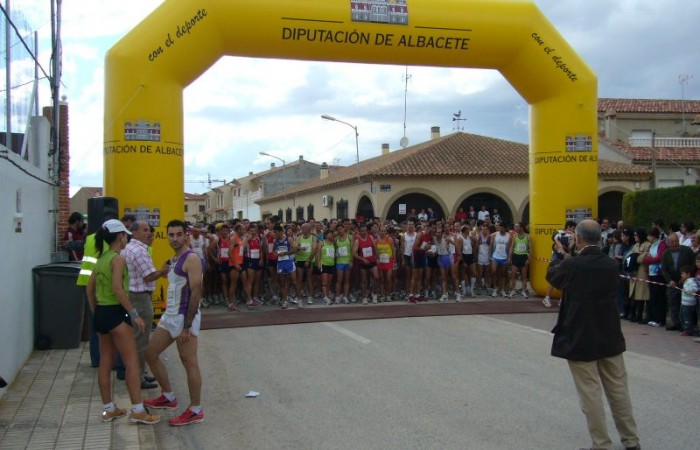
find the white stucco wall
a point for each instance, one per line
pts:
(21, 252)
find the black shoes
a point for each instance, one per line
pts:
(148, 385)
(673, 328)
(149, 378)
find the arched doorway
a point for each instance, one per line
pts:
(610, 205)
(414, 201)
(491, 202)
(365, 210)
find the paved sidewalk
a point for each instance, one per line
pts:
(54, 403)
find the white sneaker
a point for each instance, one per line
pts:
(365, 300)
(511, 294)
(293, 300)
(472, 293)
(443, 298)
(494, 294)
(327, 300)
(524, 293)
(374, 298)
(309, 300)
(546, 302)
(458, 297)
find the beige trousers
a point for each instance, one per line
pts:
(143, 303)
(607, 374)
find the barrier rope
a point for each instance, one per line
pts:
(628, 277)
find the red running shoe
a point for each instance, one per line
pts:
(186, 418)
(161, 402)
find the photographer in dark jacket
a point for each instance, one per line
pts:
(589, 336)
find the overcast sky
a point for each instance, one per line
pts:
(240, 106)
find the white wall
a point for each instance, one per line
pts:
(20, 253)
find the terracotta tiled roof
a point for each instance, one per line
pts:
(457, 154)
(678, 154)
(630, 105)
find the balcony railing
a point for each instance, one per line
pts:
(677, 142)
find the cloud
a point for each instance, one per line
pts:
(242, 106)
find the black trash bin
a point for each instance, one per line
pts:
(59, 306)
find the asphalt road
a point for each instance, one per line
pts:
(454, 382)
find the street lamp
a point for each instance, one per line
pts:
(357, 143)
(284, 166)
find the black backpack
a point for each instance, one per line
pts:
(630, 264)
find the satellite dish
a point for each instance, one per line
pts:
(403, 142)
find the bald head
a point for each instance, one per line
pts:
(588, 231)
(673, 241)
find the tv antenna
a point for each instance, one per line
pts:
(208, 181)
(457, 117)
(683, 80)
(404, 140)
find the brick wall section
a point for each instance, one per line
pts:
(64, 167)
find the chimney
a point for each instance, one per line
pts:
(250, 173)
(611, 125)
(272, 165)
(324, 171)
(301, 158)
(434, 133)
(385, 149)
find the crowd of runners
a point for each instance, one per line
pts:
(343, 261)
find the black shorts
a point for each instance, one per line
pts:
(330, 270)
(369, 266)
(303, 264)
(419, 261)
(108, 317)
(223, 267)
(407, 261)
(519, 260)
(468, 259)
(272, 263)
(252, 264)
(432, 262)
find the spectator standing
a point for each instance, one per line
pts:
(142, 283)
(657, 289)
(689, 301)
(74, 237)
(639, 286)
(675, 257)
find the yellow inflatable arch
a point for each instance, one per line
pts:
(147, 71)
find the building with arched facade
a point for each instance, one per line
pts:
(441, 174)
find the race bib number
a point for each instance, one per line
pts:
(384, 259)
(500, 247)
(330, 252)
(366, 252)
(483, 250)
(342, 251)
(240, 250)
(282, 249)
(305, 247)
(224, 252)
(521, 247)
(433, 249)
(254, 253)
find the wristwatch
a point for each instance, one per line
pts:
(187, 326)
